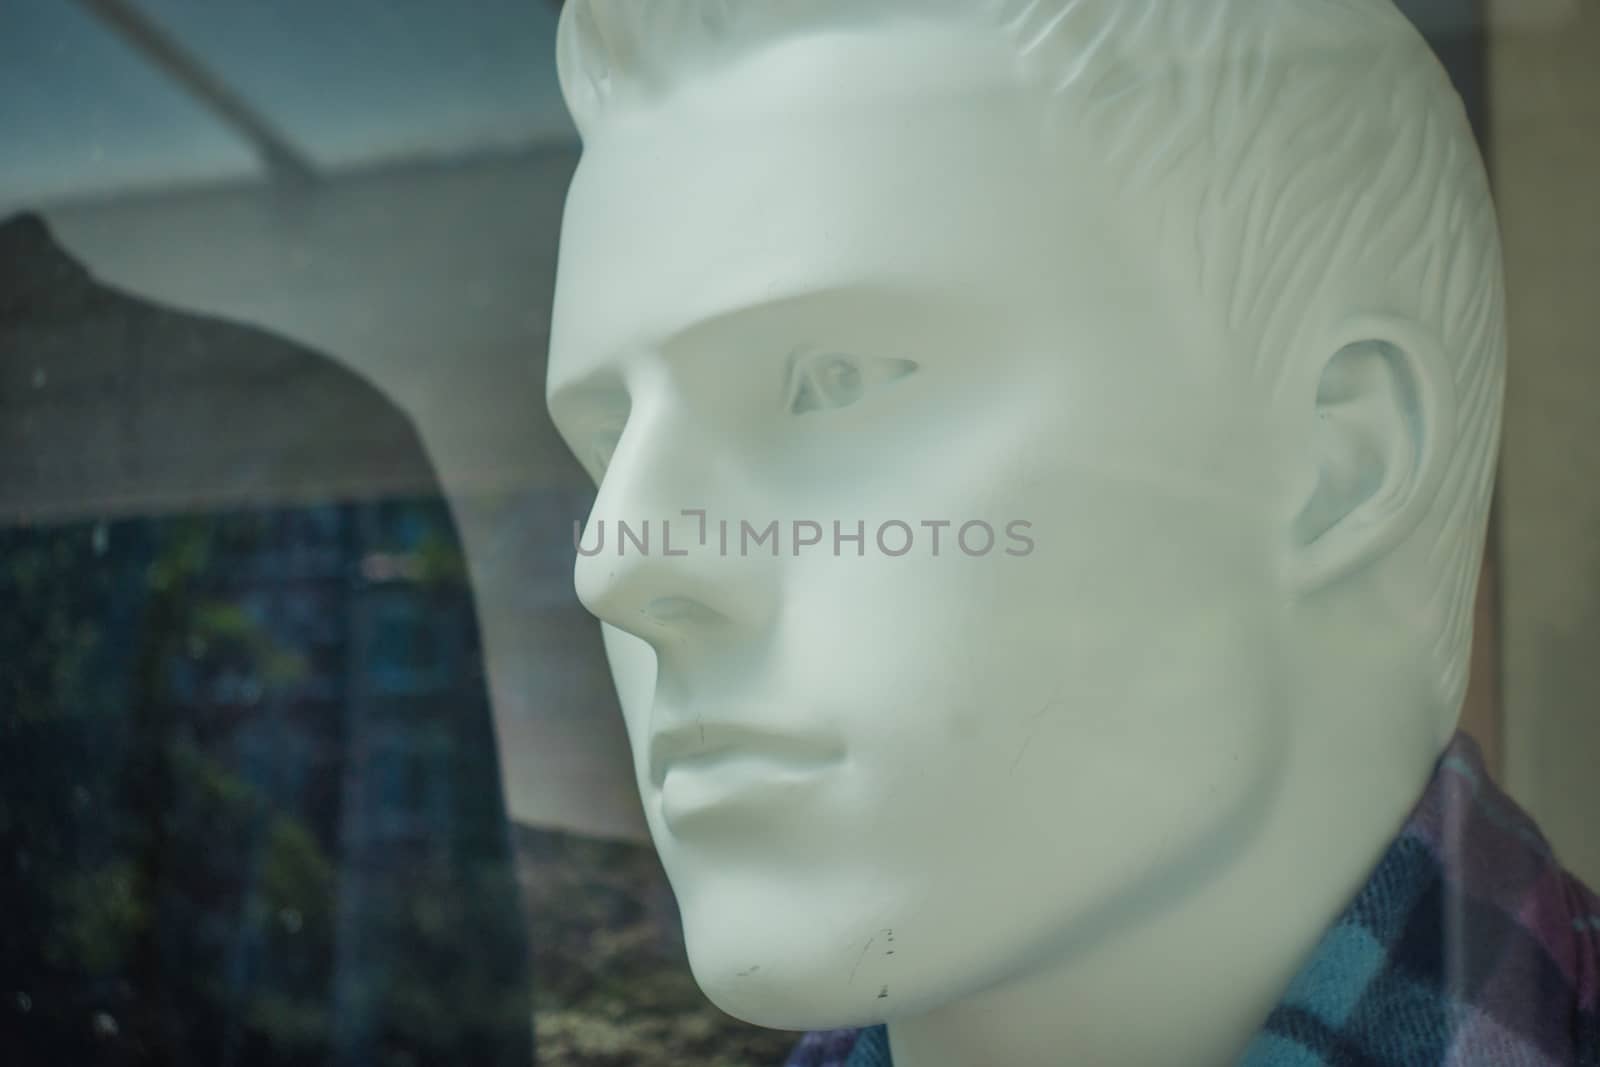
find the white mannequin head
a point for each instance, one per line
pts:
(1195, 303)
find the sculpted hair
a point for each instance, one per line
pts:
(1306, 160)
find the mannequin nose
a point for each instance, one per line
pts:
(651, 598)
(643, 564)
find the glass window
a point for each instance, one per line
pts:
(309, 752)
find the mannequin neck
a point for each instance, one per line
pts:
(1192, 983)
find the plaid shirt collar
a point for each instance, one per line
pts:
(1468, 947)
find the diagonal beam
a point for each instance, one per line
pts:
(283, 160)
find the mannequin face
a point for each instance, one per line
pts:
(883, 782)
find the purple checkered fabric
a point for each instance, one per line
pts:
(1468, 947)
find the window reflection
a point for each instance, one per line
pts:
(210, 856)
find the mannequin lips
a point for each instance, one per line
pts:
(700, 747)
(719, 769)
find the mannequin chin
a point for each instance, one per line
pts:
(898, 763)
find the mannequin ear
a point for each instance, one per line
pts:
(1383, 430)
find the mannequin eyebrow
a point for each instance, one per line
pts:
(603, 373)
(803, 315)
(706, 330)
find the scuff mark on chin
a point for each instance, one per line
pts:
(864, 950)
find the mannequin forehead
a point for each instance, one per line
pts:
(890, 59)
(755, 185)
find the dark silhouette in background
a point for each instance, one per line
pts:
(250, 808)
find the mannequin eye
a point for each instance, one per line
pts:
(819, 381)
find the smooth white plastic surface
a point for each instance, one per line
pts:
(1153, 348)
